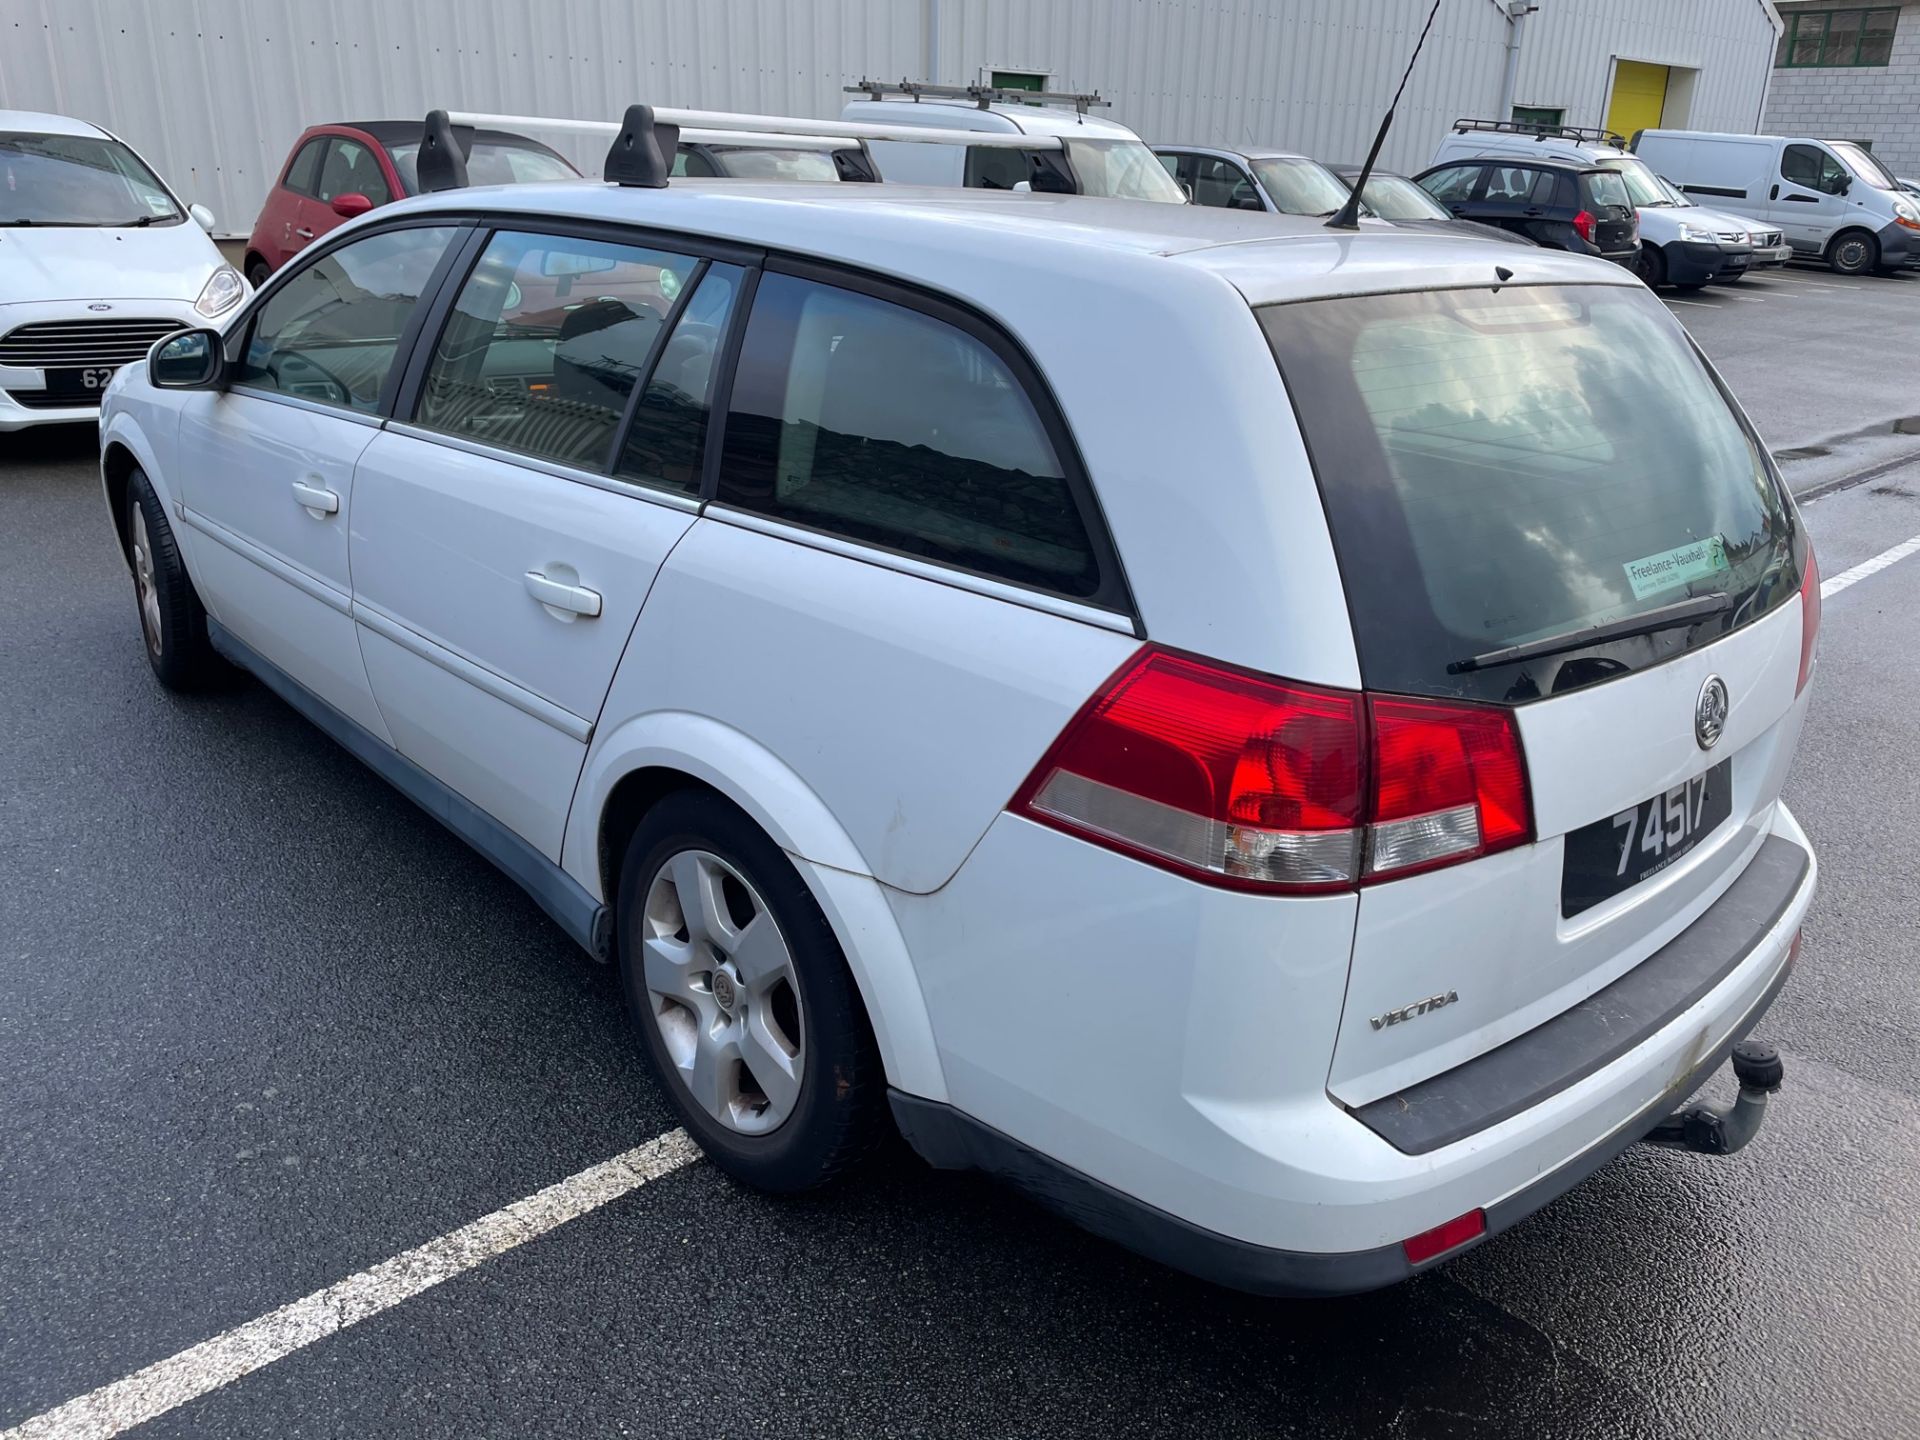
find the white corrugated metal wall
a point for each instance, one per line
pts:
(214, 91)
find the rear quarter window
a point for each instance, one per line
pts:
(1500, 467)
(874, 421)
(1604, 187)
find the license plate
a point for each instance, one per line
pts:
(1738, 262)
(1617, 853)
(80, 386)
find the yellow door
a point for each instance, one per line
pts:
(1639, 95)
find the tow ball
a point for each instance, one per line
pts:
(1723, 1129)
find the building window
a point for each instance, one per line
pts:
(1540, 117)
(1829, 38)
(1022, 80)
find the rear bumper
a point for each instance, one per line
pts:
(1290, 1193)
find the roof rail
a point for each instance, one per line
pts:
(981, 95)
(1585, 134)
(730, 127)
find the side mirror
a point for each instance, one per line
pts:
(1247, 202)
(202, 216)
(191, 360)
(1846, 184)
(351, 205)
(1187, 190)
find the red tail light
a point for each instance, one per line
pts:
(1583, 225)
(1809, 618)
(1258, 783)
(1449, 783)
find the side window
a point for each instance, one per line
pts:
(1545, 187)
(693, 164)
(872, 421)
(667, 440)
(1509, 184)
(995, 167)
(1223, 184)
(351, 169)
(303, 175)
(1170, 164)
(546, 342)
(1452, 186)
(330, 333)
(1801, 165)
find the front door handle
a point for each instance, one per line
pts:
(304, 233)
(559, 595)
(316, 500)
(1774, 193)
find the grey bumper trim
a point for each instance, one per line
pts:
(1574, 1044)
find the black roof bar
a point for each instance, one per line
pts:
(442, 164)
(1586, 134)
(642, 153)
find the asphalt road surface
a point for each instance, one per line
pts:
(264, 1025)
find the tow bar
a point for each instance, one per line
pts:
(1723, 1129)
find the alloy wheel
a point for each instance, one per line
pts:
(143, 586)
(722, 992)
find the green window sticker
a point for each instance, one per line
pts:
(1651, 574)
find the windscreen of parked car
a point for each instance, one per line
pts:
(1501, 467)
(1393, 198)
(491, 163)
(1123, 168)
(78, 180)
(1300, 187)
(1862, 163)
(1643, 186)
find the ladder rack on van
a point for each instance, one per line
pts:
(1586, 135)
(646, 139)
(981, 95)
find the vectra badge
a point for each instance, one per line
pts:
(1409, 1012)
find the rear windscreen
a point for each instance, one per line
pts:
(1503, 467)
(1605, 187)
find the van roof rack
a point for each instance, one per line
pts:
(981, 95)
(1587, 135)
(649, 133)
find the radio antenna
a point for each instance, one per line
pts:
(1348, 216)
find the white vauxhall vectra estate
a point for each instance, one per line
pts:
(1268, 738)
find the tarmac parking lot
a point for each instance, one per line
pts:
(265, 1027)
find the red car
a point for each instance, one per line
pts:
(336, 172)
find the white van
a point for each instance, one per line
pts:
(1830, 198)
(1106, 158)
(1677, 247)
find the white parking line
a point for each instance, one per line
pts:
(1855, 575)
(205, 1367)
(1701, 303)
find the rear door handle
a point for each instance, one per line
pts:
(1536, 212)
(558, 595)
(315, 499)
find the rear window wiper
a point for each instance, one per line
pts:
(1664, 617)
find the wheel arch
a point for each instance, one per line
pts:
(124, 449)
(1833, 240)
(650, 757)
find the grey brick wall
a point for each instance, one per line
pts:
(1857, 103)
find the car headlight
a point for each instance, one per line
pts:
(1907, 214)
(224, 289)
(1694, 232)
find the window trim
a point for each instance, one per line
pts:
(1112, 593)
(1790, 38)
(286, 174)
(240, 335)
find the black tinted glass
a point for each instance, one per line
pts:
(667, 440)
(882, 424)
(1501, 467)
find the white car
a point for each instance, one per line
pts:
(98, 259)
(1297, 846)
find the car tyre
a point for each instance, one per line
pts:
(1652, 267)
(1854, 252)
(257, 272)
(173, 622)
(745, 1005)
